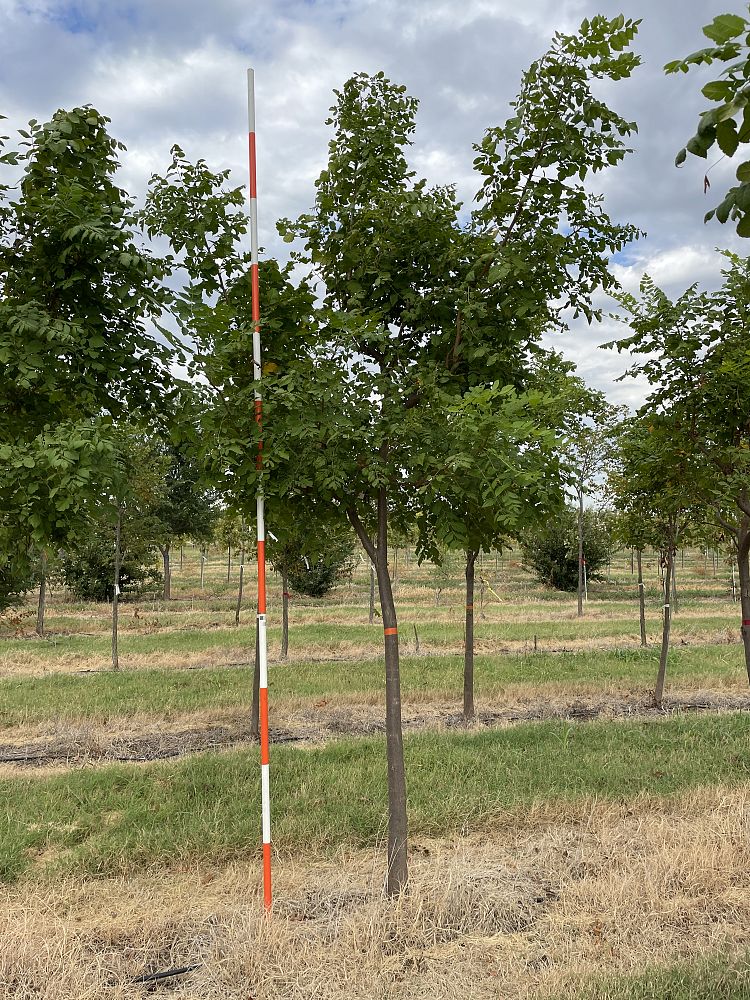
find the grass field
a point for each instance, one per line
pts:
(574, 842)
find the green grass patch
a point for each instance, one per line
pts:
(166, 692)
(718, 977)
(337, 637)
(121, 818)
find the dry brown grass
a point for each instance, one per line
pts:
(32, 663)
(35, 662)
(553, 895)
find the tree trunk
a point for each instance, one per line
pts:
(667, 624)
(229, 563)
(203, 560)
(284, 614)
(255, 709)
(42, 594)
(743, 573)
(641, 597)
(116, 593)
(239, 589)
(167, 572)
(398, 872)
(632, 570)
(180, 558)
(580, 553)
(674, 608)
(471, 556)
(372, 594)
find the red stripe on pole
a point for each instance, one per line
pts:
(746, 622)
(267, 876)
(390, 631)
(261, 577)
(253, 182)
(263, 703)
(263, 700)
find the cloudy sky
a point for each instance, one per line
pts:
(169, 71)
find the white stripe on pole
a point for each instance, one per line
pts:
(266, 794)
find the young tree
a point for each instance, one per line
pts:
(416, 303)
(697, 364)
(654, 467)
(586, 448)
(121, 524)
(76, 290)
(228, 532)
(310, 557)
(633, 529)
(186, 507)
(413, 303)
(499, 473)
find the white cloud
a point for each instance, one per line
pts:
(673, 270)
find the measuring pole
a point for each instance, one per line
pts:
(262, 640)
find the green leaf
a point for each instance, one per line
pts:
(742, 197)
(681, 157)
(725, 27)
(718, 90)
(697, 147)
(743, 226)
(723, 210)
(743, 172)
(727, 137)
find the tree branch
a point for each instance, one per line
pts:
(361, 533)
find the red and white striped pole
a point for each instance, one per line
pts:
(262, 641)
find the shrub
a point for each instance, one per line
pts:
(552, 548)
(89, 569)
(313, 567)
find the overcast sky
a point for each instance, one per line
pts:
(169, 71)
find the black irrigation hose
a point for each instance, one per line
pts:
(152, 977)
(24, 758)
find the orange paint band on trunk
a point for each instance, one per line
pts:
(390, 631)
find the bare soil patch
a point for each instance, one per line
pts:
(552, 895)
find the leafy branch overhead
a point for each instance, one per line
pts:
(727, 124)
